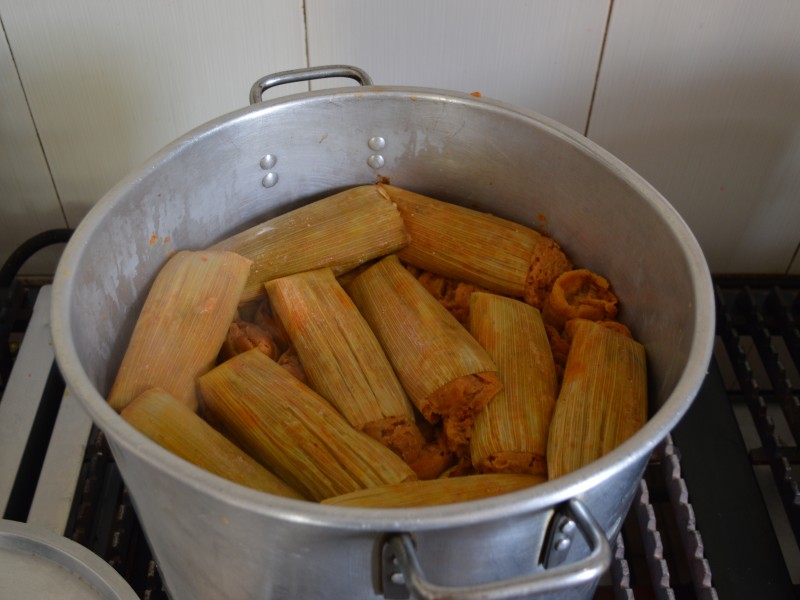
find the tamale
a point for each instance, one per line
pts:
(510, 434)
(433, 460)
(476, 247)
(173, 425)
(548, 262)
(559, 347)
(443, 369)
(579, 293)
(341, 231)
(437, 491)
(343, 360)
(293, 431)
(453, 295)
(243, 336)
(265, 318)
(290, 361)
(182, 325)
(603, 397)
(461, 468)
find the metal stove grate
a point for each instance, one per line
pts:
(103, 519)
(751, 510)
(707, 476)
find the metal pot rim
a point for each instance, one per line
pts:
(541, 497)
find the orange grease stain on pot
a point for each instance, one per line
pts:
(154, 239)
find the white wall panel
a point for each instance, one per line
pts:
(541, 55)
(703, 99)
(28, 201)
(110, 82)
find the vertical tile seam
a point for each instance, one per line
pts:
(33, 122)
(599, 67)
(795, 257)
(304, 8)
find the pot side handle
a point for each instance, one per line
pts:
(548, 581)
(308, 74)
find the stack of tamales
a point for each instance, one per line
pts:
(379, 348)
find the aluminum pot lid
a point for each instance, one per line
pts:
(36, 563)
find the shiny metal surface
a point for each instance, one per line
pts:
(213, 538)
(295, 75)
(540, 584)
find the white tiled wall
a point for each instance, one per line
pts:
(541, 55)
(28, 200)
(702, 98)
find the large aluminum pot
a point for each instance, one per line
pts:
(215, 539)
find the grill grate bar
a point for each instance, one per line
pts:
(742, 312)
(621, 572)
(105, 521)
(768, 353)
(787, 324)
(651, 536)
(687, 526)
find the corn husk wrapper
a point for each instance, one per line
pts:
(343, 360)
(445, 372)
(603, 397)
(464, 244)
(510, 434)
(437, 491)
(293, 431)
(174, 426)
(182, 326)
(341, 232)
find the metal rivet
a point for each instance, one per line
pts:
(270, 179)
(397, 578)
(563, 544)
(376, 161)
(268, 161)
(376, 143)
(567, 527)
